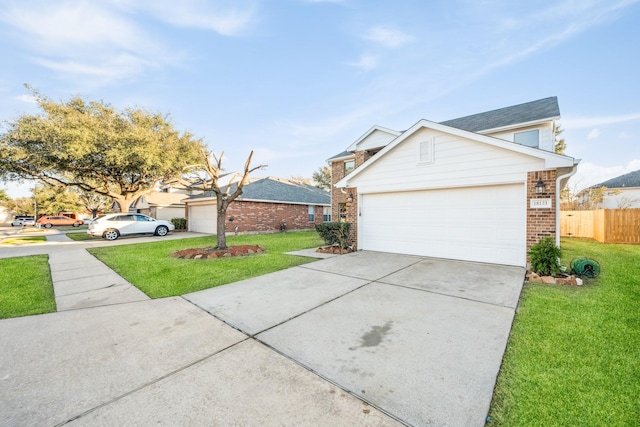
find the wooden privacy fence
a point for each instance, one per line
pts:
(603, 225)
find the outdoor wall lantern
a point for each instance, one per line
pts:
(350, 198)
(540, 187)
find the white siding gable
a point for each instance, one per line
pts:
(375, 137)
(456, 162)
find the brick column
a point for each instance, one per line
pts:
(541, 222)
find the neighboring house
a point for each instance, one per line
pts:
(624, 191)
(479, 188)
(264, 204)
(160, 205)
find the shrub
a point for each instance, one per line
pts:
(179, 223)
(545, 257)
(334, 233)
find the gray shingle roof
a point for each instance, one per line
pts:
(280, 190)
(631, 179)
(546, 108)
(541, 109)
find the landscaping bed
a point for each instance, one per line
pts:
(212, 252)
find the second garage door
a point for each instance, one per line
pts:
(483, 224)
(202, 218)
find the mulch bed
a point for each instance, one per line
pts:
(212, 252)
(333, 250)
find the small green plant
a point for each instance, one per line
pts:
(545, 257)
(334, 233)
(179, 223)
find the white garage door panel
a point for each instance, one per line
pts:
(202, 219)
(484, 224)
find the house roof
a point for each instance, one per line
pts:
(529, 112)
(631, 179)
(272, 189)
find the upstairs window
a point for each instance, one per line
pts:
(349, 165)
(530, 138)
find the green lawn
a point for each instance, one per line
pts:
(149, 266)
(82, 236)
(25, 287)
(573, 357)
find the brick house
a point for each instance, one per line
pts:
(482, 188)
(264, 205)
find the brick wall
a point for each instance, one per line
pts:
(337, 196)
(541, 222)
(266, 217)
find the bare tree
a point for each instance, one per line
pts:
(205, 176)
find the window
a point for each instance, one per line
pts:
(342, 212)
(349, 165)
(326, 214)
(312, 213)
(530, 138)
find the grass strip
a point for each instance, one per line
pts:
(573, 357)
(150, 267)
(25, 287)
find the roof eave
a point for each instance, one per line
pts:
(518, 125)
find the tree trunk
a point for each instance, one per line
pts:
(221, 223)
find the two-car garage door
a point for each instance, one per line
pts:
(484, 224)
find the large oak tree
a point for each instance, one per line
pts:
(94, 147)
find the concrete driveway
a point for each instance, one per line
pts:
(420, 339)
(360, 339)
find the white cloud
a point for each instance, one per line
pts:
(585, 122)
(594, 134)
(388, 37)
(104, 42)
(29, 99)
(227, 21)
(366, 62)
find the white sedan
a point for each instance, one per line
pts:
(112, 226)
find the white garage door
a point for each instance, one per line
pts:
(202, 218)
(484, 224)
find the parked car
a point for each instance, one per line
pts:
(50, 221)
(28, 222)
(20, 220)
(112, 226)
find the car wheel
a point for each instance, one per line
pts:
(111, 234)
(162, 230)
(47, 225)
(76, 224)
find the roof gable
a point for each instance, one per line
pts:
(516, 115)
(375, 137)
(551, 160)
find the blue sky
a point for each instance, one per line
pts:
(300, 80)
